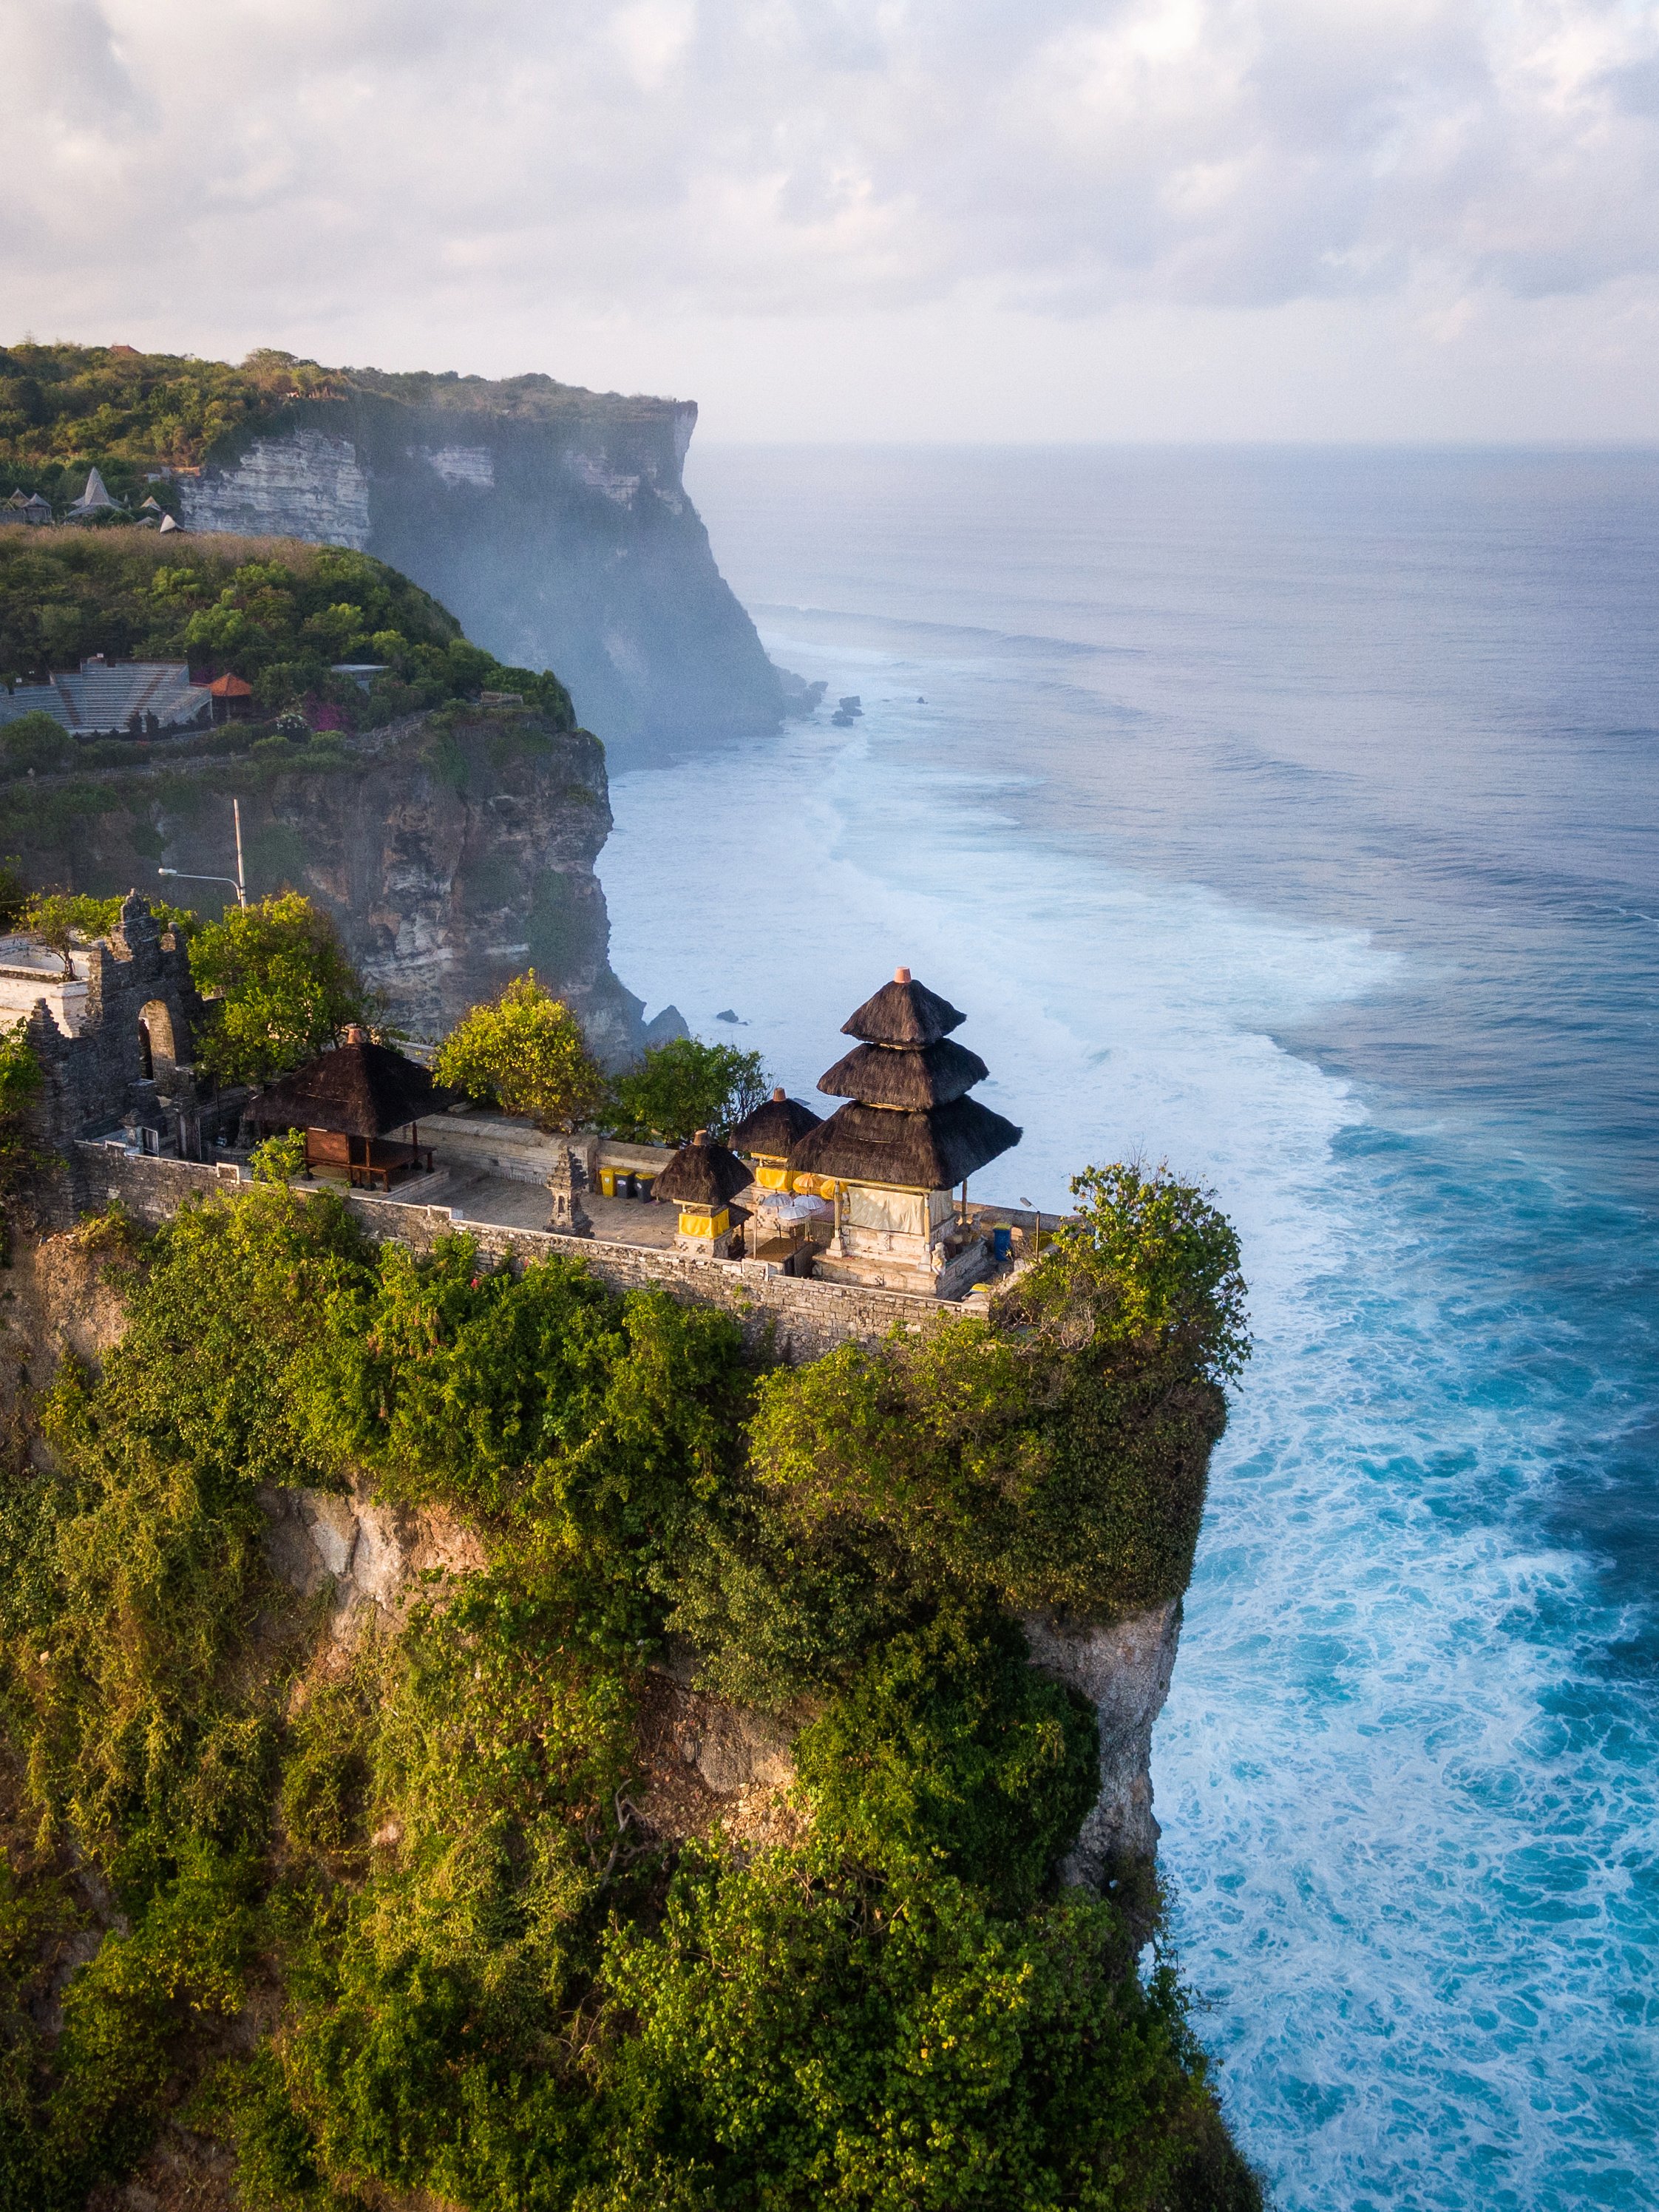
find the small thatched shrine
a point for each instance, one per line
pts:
(770, 1133)
(346, 1101)
(909, 1135)
(784, 1218)
(702, 1179)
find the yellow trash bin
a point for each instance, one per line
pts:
(608, 1182)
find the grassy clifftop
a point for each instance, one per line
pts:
(66, 408)
(420, 1913)
(276, 611)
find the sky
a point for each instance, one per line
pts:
(984, 221)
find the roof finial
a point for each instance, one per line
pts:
(900, 974)
(779, 1095)
(700, 1136)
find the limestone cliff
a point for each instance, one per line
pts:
(552, 521)
(451, 863)
(454, 853)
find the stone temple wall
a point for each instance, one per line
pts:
(138, 983)
(801, 1319)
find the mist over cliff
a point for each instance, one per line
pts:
(551, 520)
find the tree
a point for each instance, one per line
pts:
(686, 1086)
(282, 985)
(63, 920)
(36, 741)
(1165, 1259)
(526, 1054)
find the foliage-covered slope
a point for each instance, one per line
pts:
(278, 613)
(391, 1919)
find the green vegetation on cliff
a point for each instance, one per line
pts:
(384, 1914)
(277, 612)
(64, 409)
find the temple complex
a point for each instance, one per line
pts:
(874, 1200)
(893, 1157)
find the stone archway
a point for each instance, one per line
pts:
(157, 1045)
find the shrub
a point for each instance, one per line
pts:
(947, 1750)
(279, 616)
(685, 1085)
(279, 1158)
(432, 1875)
(526, 1054)
(811, 2041)
(1157, 1263)
(183, 1966)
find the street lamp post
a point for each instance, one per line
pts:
(237, 881)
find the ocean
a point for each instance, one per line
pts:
(1293, 817)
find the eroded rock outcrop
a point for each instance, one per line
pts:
(1124, 1670)
(370, 1557)
(453, 859)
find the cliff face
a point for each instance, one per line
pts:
(451, 858)
(451, 864)
(552, 522)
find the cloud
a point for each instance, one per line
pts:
(319, 165)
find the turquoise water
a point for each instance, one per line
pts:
(1294, 816)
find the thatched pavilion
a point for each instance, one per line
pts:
(783, 1217)
(347, 1101)
(702, 1179)
(909, 1135)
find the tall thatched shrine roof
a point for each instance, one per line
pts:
(909, 1120)
(360, 1089)
(775, 1127)
(903, 1013)
(702, 1174)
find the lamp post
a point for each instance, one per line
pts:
(237, 881)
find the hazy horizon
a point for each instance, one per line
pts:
(1130, 220)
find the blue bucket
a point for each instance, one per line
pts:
(1002, 1243)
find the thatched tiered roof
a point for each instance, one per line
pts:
(702, 1174)
(924, 1152)
(773, 1130)
(909, 1120)
(903, 1013)
(889, 1075)
(359, 1089)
